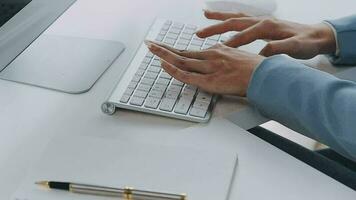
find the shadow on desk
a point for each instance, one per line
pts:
(327, 161)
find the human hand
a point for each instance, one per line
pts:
(296, 40)
(219, 70)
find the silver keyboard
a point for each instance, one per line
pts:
(154, 91)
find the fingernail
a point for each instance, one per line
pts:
(198, 32)
(148, 43)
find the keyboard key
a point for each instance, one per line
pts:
(197, 41)
(183, 41)
(154, 69)
(183, 105)
(175, 88)
(156, 62)
(172, 36)
(143, 66)
(140, 72)
(163, 81)
(204, 97)
(199, 109)
(206, 46)
(214, 37)
(125, 98)
(144, 87)
(192, 27)
(181, 47)
(178, 25)
(211, 42)
(194, 48)
(159, 87)
(201, 105)
(187, 95)
(169, 41)
(170, 94)
(156, 94)
(147, 81)
(129, 91)
(186, 36)
(151, 75)
(146, 60)
(197, 112)
(137, 101)
(163, 32)
(136, 78)
(165, 75)
(189, 31)
(176, 82)
(190, 87)
(159, 38)
(167, 104)
(140, 93)
(175, 30)
(152, 102)
(132, 85)
(149, 55)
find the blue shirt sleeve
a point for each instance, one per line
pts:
(345, 32)
(308, 101)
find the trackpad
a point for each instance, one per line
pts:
(67, 64)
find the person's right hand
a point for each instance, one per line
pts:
(284, 37)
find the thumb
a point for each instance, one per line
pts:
(279, 47)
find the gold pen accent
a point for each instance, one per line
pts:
(43, 183)
(128, 193)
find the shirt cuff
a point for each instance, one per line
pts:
(337, 52)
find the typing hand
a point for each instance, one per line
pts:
(297, 40)
(219, 70)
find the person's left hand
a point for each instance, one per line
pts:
(219, 70)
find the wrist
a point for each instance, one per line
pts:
(253, 68)
(326, 38)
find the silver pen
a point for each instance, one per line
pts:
(126, 193)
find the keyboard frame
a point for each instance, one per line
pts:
(130, 72)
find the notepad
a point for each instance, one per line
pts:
(203, 174)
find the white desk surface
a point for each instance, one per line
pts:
(30, 116)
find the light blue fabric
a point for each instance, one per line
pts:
(346, 38)
(308, 101)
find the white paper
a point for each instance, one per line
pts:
(203, 174)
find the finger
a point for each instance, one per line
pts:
(202, 55)
(222, 15)
(190, 78)
(261, 30)
(279, 47)
(184, 63)
(235, 24)
(266, 29)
